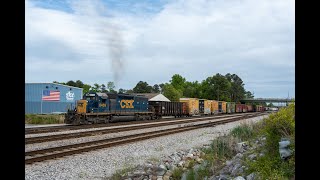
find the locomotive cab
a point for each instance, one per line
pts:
(81, 106)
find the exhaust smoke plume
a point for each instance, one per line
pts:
(96, 13)
(116, 50)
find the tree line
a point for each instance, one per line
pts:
(228, 87)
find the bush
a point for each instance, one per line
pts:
(277, 126)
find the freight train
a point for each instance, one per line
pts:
(98, 107)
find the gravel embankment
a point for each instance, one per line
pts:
(103, 163)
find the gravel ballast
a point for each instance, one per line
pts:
(112, 127)
(103, 163)
(51, 144)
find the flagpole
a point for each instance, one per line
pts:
(41, 100)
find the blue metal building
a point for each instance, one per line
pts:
(43, 98)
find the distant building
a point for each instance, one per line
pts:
(43, 98)
(154, 96)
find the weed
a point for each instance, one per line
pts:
(44, 119)
(243, 132)
(177, 173)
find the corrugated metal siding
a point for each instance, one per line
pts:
(33, 96)
(193, 104)
(207, 107)
(47, 107)
(231, 107)
(224, 107)
(214, 107)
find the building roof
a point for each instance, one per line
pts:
(56, 84)
(148, 95)
(153, 96)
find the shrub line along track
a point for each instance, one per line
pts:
(38, 130)
(52, 153)
(48, 138)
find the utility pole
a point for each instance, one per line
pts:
(41, 100)
(218, 93)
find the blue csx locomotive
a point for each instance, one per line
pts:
(101, 107)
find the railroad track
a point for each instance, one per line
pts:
(39, 130)
(57, 152)
(39, 139)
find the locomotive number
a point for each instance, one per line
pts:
(102, 105)
(126, 103)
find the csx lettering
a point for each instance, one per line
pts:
(126, 103)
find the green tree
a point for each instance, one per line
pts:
(237, 90)
(171, 93)
(249, 95)
(161, 87)
(79, 84)
(129, 91)
(192, 89)
(59, 82)
(111, 87)
(178, 82)
(216, 87)
(156, 88)
(71, 83)
(142, 87)
(96, 87)
(86, 88)
(122, 91)
(103, 88)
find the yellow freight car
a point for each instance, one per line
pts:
(224, 106)
(207, 107)
(193, 105)
(214, 107)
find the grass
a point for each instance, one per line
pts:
(203, 172)
(177, 173)
(242, 132)
(44, 119)
(221, 147)
(121, 173)
(191, 175)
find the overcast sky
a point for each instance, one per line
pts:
(126, 41)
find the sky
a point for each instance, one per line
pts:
(127, 41)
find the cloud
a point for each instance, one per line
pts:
(197, 39)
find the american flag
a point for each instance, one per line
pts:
(48, 95)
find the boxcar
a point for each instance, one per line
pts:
(239, 108)
(258, 108)
(250, 108)
(207, 107)
(204, 106)
(244, 108)
(192, 104)
(231, 107)
(223, 107)
(201, 106)
(214, 107)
